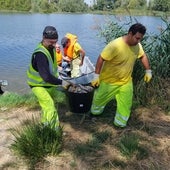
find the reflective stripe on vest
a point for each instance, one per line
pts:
(34, 78)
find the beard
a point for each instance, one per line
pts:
(50, 47)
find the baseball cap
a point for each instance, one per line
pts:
(50, 32)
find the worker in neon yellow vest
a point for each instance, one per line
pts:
(42, 76)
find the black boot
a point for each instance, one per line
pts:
(1, 91)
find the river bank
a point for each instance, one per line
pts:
(150, 123)
(119, 11)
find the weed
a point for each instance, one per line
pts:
(92, 145)
(35, 141)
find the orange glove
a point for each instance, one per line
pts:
(148, 76)
(95, 82)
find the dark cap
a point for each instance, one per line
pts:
(64, 41)
(50, 32)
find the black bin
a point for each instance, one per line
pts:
(80, 102)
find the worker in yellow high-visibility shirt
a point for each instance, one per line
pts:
(113, 73)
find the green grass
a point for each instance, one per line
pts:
(34, 141)
(93, 145)
(129, 146)
(11, 100)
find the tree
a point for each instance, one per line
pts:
(136, 4)
(133, 4)
(104, 4)
(161, 5)
(72, 6)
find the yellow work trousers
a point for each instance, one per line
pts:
(49, 113)
(123, 95)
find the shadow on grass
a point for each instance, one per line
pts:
(93, 151)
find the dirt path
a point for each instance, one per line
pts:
(14, 118)
(8, 120)
(75, 132)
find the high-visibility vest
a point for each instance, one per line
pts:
(70, 50)
(33, 77)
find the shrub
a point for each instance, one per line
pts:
(34, 141)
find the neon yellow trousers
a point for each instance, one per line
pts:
(123, 95)
(49, 113)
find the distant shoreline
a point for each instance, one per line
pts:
(115, 12)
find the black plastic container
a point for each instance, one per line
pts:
(80, 102)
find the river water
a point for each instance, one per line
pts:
(20, 33)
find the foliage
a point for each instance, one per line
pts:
(162, 5)
(15, 5)
(111, 31)
(72, 6)
(10, 100)
(136, 4)
(156, 5)
(160, 58)
(160, 64)
(110, 4)
(100, 4)
(93, 145)
(49, 6)
(129, 146)
(44, 6)
(34, 141)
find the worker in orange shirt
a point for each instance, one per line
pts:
(59, 56)
(73, 54)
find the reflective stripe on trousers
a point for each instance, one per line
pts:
(123, 95)
(49, 112)
(120, 120)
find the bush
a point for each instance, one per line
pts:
(34, 141)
